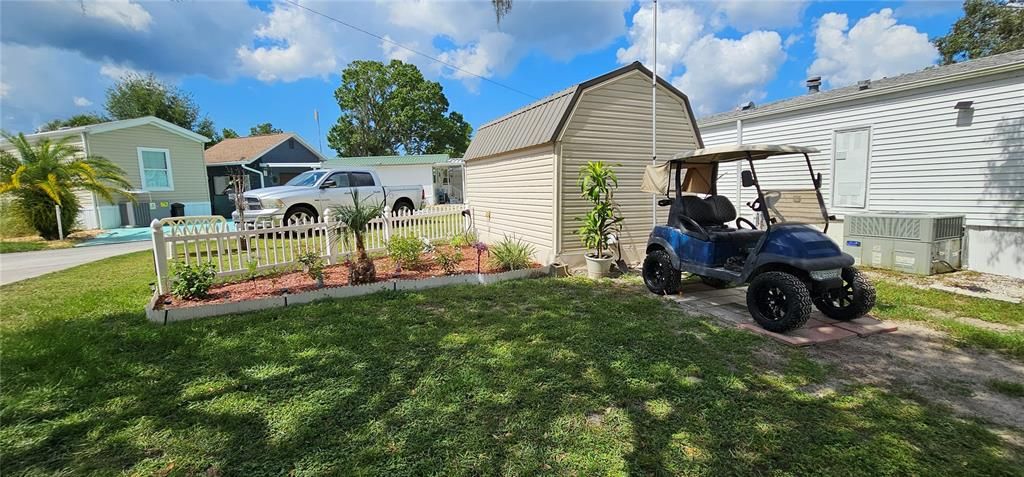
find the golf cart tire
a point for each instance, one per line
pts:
(862, 297)
(715, 282)
(797, 296)
(667, 283)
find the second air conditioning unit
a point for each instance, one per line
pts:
(918, 243)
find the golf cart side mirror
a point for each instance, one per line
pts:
(327, 184)
(748, 178)
(664, 202)
(817, 181)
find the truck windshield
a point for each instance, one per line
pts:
(306, 179)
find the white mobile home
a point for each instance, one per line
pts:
(948, 139)
(522, 169)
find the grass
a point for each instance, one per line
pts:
(940, 310)
(565, 377)
(1008, 388)
(13, 247)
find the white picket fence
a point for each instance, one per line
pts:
(199, 239)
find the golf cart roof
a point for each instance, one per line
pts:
(736, 152)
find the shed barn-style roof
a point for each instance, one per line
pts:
(541, 122)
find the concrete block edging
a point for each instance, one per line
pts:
(170, 315)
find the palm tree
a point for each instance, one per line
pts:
(49, 173)
(355, 218)
(501, 8)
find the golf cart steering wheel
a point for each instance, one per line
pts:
(743, 220)
(755, 205)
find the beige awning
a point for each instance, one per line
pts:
(658, 177)
(736, 152)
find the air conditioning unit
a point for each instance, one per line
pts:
(918, 243)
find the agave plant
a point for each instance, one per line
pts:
(355, 218)
(38, 177)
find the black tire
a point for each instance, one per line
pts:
(298, 212)
(659, 274)
(715, 282)
(778, 301)
(403, 206)
(854, 300)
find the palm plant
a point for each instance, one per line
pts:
(355, 218)
(48, 174)
(597, 182)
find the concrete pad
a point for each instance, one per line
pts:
(866, 326)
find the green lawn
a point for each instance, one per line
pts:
(13, 247)
(551, 376)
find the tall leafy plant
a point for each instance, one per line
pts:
(597, 184)
(355, 218)
(37, 177)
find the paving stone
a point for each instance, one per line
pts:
(823, 334)
(729, 315)
(866, 326)
(817, 315)
(791, 340)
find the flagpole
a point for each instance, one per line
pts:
(654, 113)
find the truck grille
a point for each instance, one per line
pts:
(252, 203)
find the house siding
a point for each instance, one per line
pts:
(188, 170)
(612, 123)
(512, 194)
(921, 160)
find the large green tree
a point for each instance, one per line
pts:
(73, 122)
(37, 177)
(263, 129)
(390, 108)
(206, 127)
(229, 133)
(988, 27)
(136, 95)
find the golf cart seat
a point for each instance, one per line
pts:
(713, 214)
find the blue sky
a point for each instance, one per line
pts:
(247, 63)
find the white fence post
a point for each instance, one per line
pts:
(332, 249)
(387, 225)
(160, 256)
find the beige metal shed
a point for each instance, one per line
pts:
(522, 169)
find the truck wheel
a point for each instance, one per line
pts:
(403, 207)
(659, 275)
(300, 213)
(778, 301)
(715, 282)
(853, 300)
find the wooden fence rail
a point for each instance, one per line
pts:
(189, 240)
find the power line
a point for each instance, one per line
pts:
(395, 43)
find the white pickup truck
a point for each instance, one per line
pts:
(308, 195)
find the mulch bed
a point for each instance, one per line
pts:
(334, 276)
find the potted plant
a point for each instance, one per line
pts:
(597, 184)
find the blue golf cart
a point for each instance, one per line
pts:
(787, 262)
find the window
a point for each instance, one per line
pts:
(852, 150)
(340, 179)
(362, 179)
(155, 169)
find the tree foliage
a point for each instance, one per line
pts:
(206, 127)
(136, 95)
(74, 122)
(988, 27)
(264, 129)
(390, 108)
(37, 177)
(228, 133)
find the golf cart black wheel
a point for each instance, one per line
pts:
(854, 300)
(778, 301)
(715, 282)
(659, 274)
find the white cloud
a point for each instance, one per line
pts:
(792, 39)
(722, 73)
(122, 12)
(30, 99)
(5, 89)
(680, 28)
(749, 15)
(482, 58)
(298, 47)
(116, 72)
(877, 46)
(81, 102)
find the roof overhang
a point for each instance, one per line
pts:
(122, 124)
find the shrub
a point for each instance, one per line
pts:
(448, 259)
(193, 280)
(463, 239)
(406, 250)
(313, 265)
(511, 254)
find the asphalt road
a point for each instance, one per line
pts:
(19, 266)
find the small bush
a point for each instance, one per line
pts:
(511, 254)
(313, 265)
(406, 251)
(448, 259)
(193, 280)
(463, 239)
